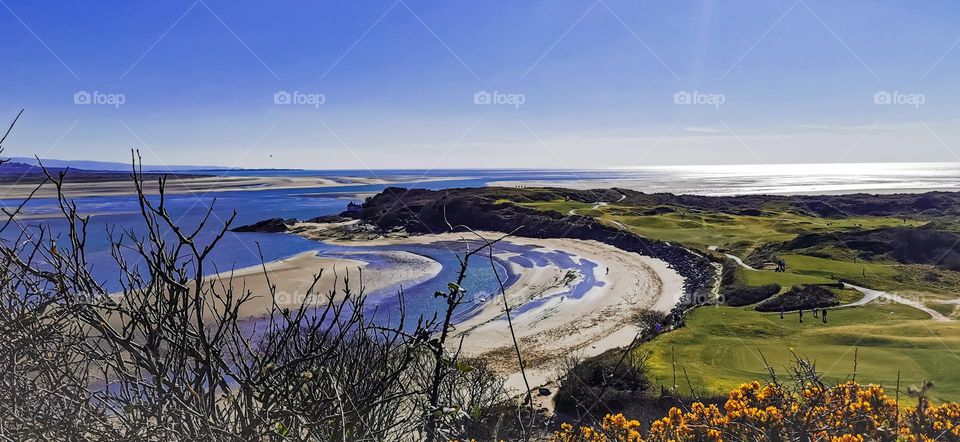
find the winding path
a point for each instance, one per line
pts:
(870, 295)
(598, 204)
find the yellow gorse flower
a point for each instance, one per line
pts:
(847, 412)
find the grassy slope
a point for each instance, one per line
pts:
(721, 346)
(734, 230)
(742, 233)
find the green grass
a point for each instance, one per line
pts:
(561, 206)
(733, 231)
(721, 347)
(785, 279)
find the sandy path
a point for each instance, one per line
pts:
(870, 295)
(876, 295)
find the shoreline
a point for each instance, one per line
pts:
(200, 185)
(551, 327)
(640, 185)
(294, 275)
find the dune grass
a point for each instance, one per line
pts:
(721, 347)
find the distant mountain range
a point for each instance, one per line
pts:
(108, 166)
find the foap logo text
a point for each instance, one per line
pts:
(299, 98)
(99, 98)
(699, 98)
(899, 98)
(499, 98)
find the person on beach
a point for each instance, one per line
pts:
(814, 312)
(824, 316)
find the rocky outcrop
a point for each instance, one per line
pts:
(330, 219)
(272, 225)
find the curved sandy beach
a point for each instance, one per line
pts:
(550, 323)
(599, 320)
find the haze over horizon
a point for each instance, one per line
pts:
(409, 84)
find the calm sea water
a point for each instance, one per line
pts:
(237, 250)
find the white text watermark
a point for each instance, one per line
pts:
(497, 97)
(899, 98)
(699, 98)
(299, 98)
(97, 97)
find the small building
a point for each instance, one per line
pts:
(354, 207)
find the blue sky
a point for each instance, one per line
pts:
(579, 83)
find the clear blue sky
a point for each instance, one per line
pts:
(796, 79)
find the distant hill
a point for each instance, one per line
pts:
(107, 165)
(14, 172)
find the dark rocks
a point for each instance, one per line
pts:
(272, 225)
(327, 219)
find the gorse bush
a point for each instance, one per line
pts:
(803, 410)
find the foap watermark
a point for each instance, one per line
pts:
(497, 97)
(899, 98)
(299, 98)
(97, 97)
(699, 98)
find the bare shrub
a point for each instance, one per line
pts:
(170, 356)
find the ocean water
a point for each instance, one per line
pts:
(120, 214)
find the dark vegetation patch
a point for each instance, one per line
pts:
(901, 244)
(826, 206)
(608, 381)
(798, 297)
(614, 383)
(740, 295)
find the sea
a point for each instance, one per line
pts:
(111, 216)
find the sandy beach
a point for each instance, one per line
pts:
(198, 185)
(600, 320)
(294, 276)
